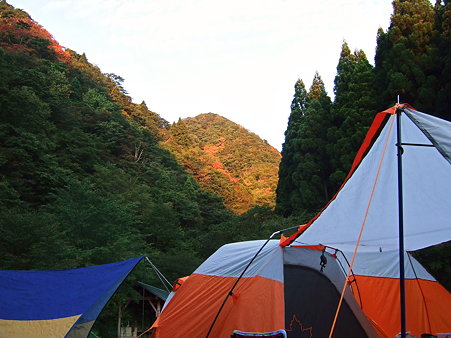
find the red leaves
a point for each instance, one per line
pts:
(217, 165)
(26, 36)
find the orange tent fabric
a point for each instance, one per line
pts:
(258, 306)
(427, 305)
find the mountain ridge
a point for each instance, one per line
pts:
(226, 158)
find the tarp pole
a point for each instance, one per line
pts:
(119, 317)
(402, 292)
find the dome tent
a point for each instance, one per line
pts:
(265, 298)
(286, 287)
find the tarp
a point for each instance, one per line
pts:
(57, 303)
(162, 294)
(369, 197)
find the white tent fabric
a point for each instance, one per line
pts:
(370, 196)
(437, 130)
(230, 260)
(384, 264)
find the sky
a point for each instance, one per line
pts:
(236, 58)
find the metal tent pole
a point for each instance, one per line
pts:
(230, 293)
(402, 291)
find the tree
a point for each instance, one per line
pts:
(8, 11)
(299, 103)
(31, 240)
(151, 120)
(314, 168)
(406, 59)
(99, 229)
(180, 134)
(443, 45)
(305, 168)
(352, 111)
(285, 187)
(19, 33)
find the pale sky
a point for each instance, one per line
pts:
(236, 58)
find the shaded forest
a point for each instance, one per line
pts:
(89, 177)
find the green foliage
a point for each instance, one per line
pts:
(353, 110)
(31, 240)
(180, 134)
(8, 11)
(443, 44)
(99, 229)
(305, 167)
(436, 260)
(150, 120)
(285, 188)
(299, 103)
(412, 55)
(83, 180)
(257, 223)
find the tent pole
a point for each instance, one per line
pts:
(230, 293)
(402, 292)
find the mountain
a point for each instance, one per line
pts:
(226, 159)
(83, 178)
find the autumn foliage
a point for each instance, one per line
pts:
(23, 35)
(226, 159)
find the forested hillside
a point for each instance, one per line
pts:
(83, 179)
(227, 159)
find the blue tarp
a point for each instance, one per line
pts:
(57, 294)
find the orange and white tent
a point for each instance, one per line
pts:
(341, 270)
(369, 195)
(265, 299)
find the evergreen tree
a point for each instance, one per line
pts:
(343, 79)
(285, 188)
(156, 124)
(180, 133)
(406, 59)
(315, 168)
(443, 45)
(352, 110)
(317, 88)
(304, 172)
